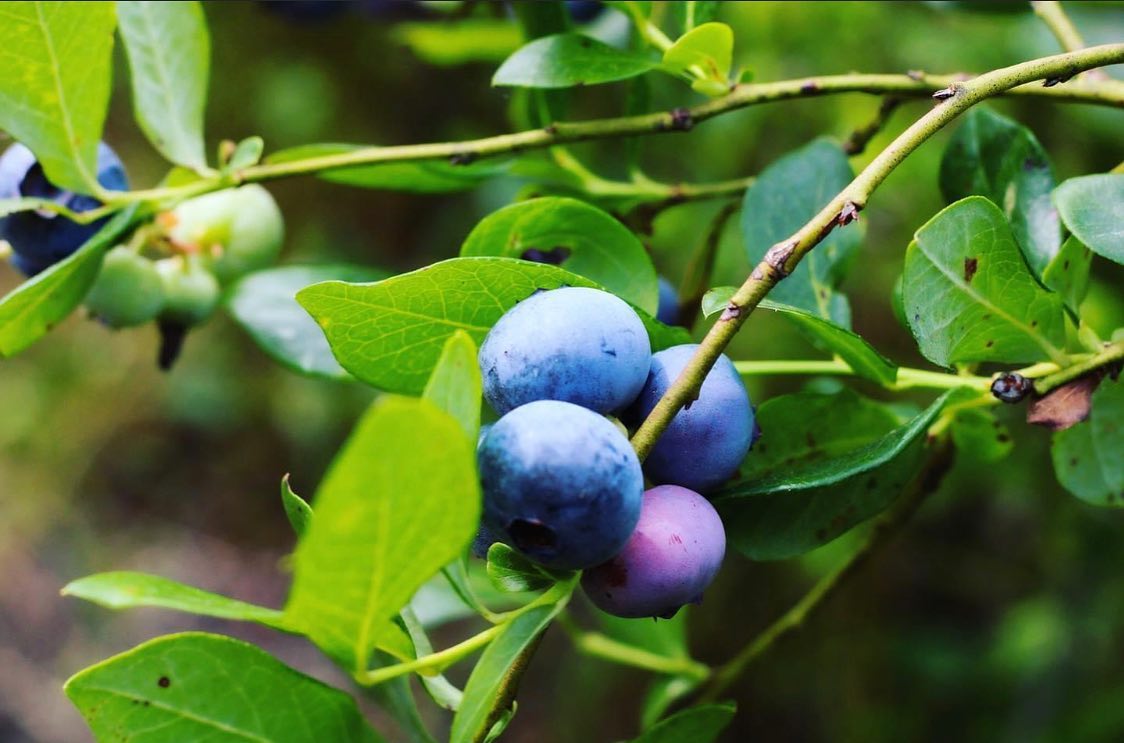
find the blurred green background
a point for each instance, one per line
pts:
(994, 617)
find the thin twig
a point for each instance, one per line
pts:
(914, 84)
(696, 279)
(860, 138)
(1055, 18)
(781, 259)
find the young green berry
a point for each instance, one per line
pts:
(237, 231)
(191, 292)
(128, 290)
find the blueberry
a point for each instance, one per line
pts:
(38, 238)
(579, 345)
(668, 312)
(128, 290)
(669, 560)
(709, 437)
(482, 542)
(584, 11)
(561, 484)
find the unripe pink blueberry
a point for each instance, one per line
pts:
(671, 557)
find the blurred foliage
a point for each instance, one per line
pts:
(993, 618)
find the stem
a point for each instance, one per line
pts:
(907, 378)
(860, 138)
(602, 646)
(782, 258)
(1113, 353)
(884, 528)
(1107, 92)
(432, 662)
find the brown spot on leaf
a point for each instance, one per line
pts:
(163, 682)
(970, 266)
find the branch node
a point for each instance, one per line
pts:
(551, 129)
(916, 75)
(1058, 79)
(777, 256)
(810, 87)
(462, 158)
(945, 93)
(681, 119)
(849, 213)
(731, 312)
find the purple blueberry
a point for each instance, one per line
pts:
(668, 312)
(579, 345)
(668, 561)
(709, 437)
(561, 484)
(39, 238)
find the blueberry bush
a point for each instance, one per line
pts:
(561, 434)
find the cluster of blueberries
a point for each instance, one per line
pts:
(562, 484)
(175, 276)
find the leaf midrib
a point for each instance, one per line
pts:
(64, 111)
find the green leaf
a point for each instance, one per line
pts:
(569, 60)
(400, 501)
(390, 334)
(297, 509)
(824, 464)
(697, 724)
(862, 357)
(54, 91)
(706, 51)
(969, 295)
(439, 688)
(1087, 457)
(30, 310)
(585, 239)
(1092, 207)
(196, 686)
(427, 176)
(128, 590)
(265, 305)
(662, 694)
(169, 53)
(1068, 273)
(490, 678)
(993, 156)
(246, 153)
(467, 40)
(455, 385)
(510, 572)
(783, 198)
(980, 436)
(396, 698)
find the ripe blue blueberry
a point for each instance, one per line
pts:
(584, 11)
(561, 484)
(669, 560)
(708, 438)
(579, 345)
(668, 312)
(40, 239)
